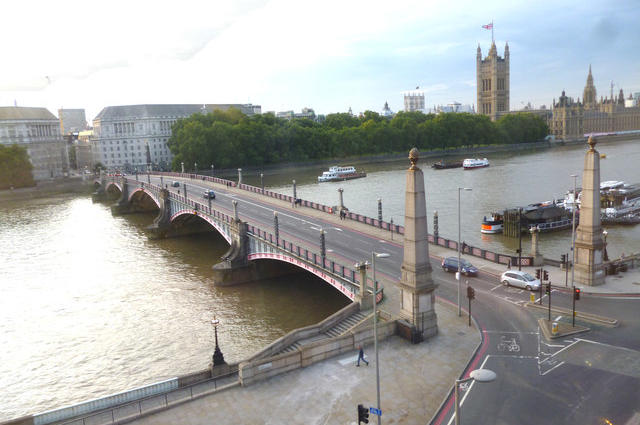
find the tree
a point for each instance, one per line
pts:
(15, 167)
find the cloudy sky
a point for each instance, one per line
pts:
(288, 54)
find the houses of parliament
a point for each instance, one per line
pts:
(569, 118)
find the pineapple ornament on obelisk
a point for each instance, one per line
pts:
(416, 285)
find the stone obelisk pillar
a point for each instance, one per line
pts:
(416, 285)
(589, 244)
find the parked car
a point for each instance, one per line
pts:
(520, 279)
(209, 194)
(175, 183)
(450, 264)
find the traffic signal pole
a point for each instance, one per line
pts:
(573, 315)
(549, 287)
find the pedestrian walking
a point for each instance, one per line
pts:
(361, 356)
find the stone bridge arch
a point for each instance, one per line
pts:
(113, 189)
(189, 221)
(342, 287)
(144, 199)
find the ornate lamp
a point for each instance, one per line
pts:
(218, 358)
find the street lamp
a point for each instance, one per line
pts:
(195, 167)
(182, 167)
(375, 255)
(211, 170)
(573, 228)
(262, 181)
(479, 375)
(459, 263)
(605, 233)
(218, 358)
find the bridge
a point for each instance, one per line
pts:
(181, 212)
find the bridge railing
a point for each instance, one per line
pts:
(395, 228)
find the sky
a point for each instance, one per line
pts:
(290, 54)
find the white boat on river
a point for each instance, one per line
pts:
(340, 173)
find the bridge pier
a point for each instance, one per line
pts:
(234, 267)
(122, 206)
(100, 194)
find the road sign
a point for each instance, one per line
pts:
(375, 411)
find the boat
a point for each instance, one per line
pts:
(493, 224)
(471, 163)
(441, 165)
(340, 173)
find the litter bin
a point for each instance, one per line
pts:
(554, 328)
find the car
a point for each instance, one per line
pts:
(209, 194)
(450, 264)
(520, 279)
(175, 183)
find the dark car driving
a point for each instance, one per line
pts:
(450, 264)
(209, 194)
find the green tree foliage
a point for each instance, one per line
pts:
(231, 139)
(15, 167)
(522, 128)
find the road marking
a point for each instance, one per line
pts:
(558, 318)
(464, 397)
(558, 365)
(511, 332)
(495, 287)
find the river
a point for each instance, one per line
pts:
(91, 307)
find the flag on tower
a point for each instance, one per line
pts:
(488, 26)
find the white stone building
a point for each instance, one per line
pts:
(122, 134)
(414, 101)
(37, 130)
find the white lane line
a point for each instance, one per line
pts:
(495, 287)
(464, 397)
(511, 332)
(559, 364)
(558, 318)
(514, 357)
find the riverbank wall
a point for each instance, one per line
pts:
(46, 188)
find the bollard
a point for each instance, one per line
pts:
(532, 298)
(554, 328)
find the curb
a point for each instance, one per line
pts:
(587, 317)
(543, 325)
(437, 418)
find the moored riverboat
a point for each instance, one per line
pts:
(471, 163)
(441, 165)
(493, 224)
(340, 173)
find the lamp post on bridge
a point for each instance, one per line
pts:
(276, 230)
(375, 255)
(211, 170)
(295, 194)
(379, 212)
(459, 263)
(182, 167)
(606, 256)
(195, 167)
(218, 357)
(573, 229)
(480, 375)
(262, 181)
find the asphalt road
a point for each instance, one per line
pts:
(590, 378)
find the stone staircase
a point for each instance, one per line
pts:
(340, 328)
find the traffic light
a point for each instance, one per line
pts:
(545, 275)
(471, 293)
(576, 293)
(537, 273)
(547, 288)
(363, 414)
(563, 258)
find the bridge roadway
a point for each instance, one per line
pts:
(585, 378)
(347, 242)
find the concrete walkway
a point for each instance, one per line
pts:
(414, 380)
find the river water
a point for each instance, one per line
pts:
(91, 307)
